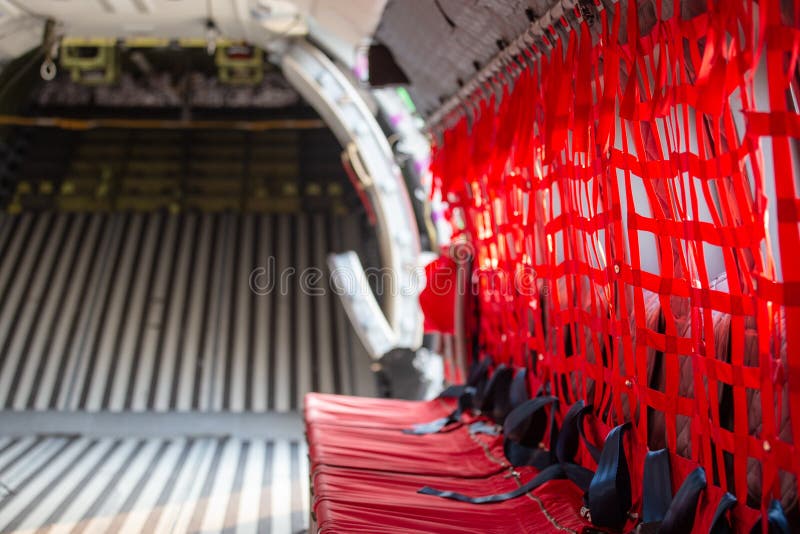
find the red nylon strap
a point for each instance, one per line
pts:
(636, 181)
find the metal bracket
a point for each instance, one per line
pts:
(91, 61)
(239, 64)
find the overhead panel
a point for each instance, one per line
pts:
(125, 18)
(464, 35)
(340, 26)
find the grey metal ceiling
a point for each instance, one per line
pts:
(439, 42)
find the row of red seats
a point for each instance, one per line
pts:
(376, 469)
(366, 471)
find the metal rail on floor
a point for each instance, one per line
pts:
(241, 425)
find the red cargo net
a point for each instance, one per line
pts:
(677, 147)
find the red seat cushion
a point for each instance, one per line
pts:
(362, 501)
(453, 453)
(372, 487)
(373, 413)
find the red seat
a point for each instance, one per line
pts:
(366, 478)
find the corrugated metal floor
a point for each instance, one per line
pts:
(155, 312)
(79, 485)
(142, 330)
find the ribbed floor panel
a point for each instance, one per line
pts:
(81, 485)
(154, 312)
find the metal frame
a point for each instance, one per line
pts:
(336, 99)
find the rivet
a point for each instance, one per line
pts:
(617, 269)
(628, 383)
(767, 446)
(541, 357)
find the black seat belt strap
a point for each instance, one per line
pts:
(476, 378)
(517, 430)
(777, 523)
(455, 391)
(517, 394)
(680, 516)
(554, 472)
(495, 402)
(438, 425)
(525, 428)
(571, 433)
(609, 496)
(657, 491)
(519, 389)
(720, 524)
(594, 451)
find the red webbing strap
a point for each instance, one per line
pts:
(605, 158)
(778, 78)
